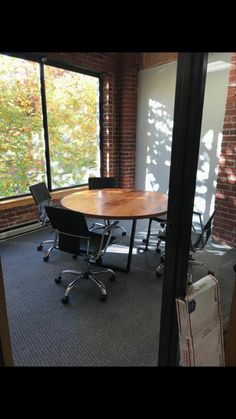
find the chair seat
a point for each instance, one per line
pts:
(161, 219)
(72, 245)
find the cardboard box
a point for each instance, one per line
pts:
(204, 348)
(200, 324)
(201, 305)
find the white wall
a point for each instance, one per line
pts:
(155, 108)
(155, 111)
(211, 132)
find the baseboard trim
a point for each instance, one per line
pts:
(19, 230)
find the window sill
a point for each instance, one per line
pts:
(28, 200)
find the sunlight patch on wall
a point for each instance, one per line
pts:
(150, 182)
(158, 150)
(218, 66)
(207, 140)
(201, 189)
(203, 173)
(199, 204)
(219, 141)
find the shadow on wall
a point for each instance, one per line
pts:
(156, 90)
(156, 93)
(207, 173)
(158, 156)
(211, 133)
(160, 126)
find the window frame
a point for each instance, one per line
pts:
(42, 60)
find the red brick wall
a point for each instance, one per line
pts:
(128, 111)
(17, 216)
(119, 120)
(111, 127)
(224, 229)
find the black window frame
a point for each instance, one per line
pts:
(42, 59)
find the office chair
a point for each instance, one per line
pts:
(102, 183)
(75, 237)
(160, 235)
(42, 197)
(199, 239)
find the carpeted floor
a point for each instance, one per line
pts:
(123, 331)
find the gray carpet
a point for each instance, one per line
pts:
(123, 331)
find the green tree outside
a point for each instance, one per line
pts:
(72, 114)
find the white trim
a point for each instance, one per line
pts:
(20, 230)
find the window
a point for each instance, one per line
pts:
(49, 126)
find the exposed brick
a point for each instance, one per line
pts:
(225, 219)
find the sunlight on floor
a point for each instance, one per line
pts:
(115, 248)
(216, 248)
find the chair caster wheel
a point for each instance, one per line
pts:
(39, 248)
(158, 274)
(103, 297)
(124, 233)
(65, 300)
(158, 250)
(46, 258)
(58, 280)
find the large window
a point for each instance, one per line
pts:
(49, 126)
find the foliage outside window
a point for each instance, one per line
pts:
(72, 119)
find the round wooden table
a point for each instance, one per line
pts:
(118, 203)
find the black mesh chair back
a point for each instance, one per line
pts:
(71, 226)
(42, 198)
(40, 193)
(200, 238)
(74, 237)
(101, 182)
(67, 221)
(198, 241)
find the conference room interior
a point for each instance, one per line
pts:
(167, 124)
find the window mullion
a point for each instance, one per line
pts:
(45, 125)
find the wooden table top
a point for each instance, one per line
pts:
(117, 203)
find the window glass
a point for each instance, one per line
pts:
(73, 121)
(72, 118)
(22, 147)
